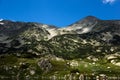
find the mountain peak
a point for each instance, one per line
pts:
(91, 18)
(88, 19)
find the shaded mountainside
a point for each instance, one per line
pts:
(16, 35)
(39, 48)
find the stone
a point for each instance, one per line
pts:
(45, 65)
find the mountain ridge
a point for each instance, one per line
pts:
(88, 46)
(89, 27)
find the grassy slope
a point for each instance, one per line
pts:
(12, 66)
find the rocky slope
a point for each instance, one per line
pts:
(89, 45)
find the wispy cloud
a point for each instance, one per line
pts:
(1, 19)
(108, 1)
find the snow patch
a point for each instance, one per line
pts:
(45, 26)
(52, 32)
(80, 29)
(73, 28)
(86, 30)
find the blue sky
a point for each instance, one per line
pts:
(58, 12)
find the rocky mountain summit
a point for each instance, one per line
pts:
(90, 45)
(15, 35)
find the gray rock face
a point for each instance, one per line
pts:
(41, 39)
(45, 65)
(35, 50)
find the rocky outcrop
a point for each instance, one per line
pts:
(45, 65)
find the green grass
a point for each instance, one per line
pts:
(59, 68)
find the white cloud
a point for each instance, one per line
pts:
(108, 1)
(1, 19)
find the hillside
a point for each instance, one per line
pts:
(30, 50)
